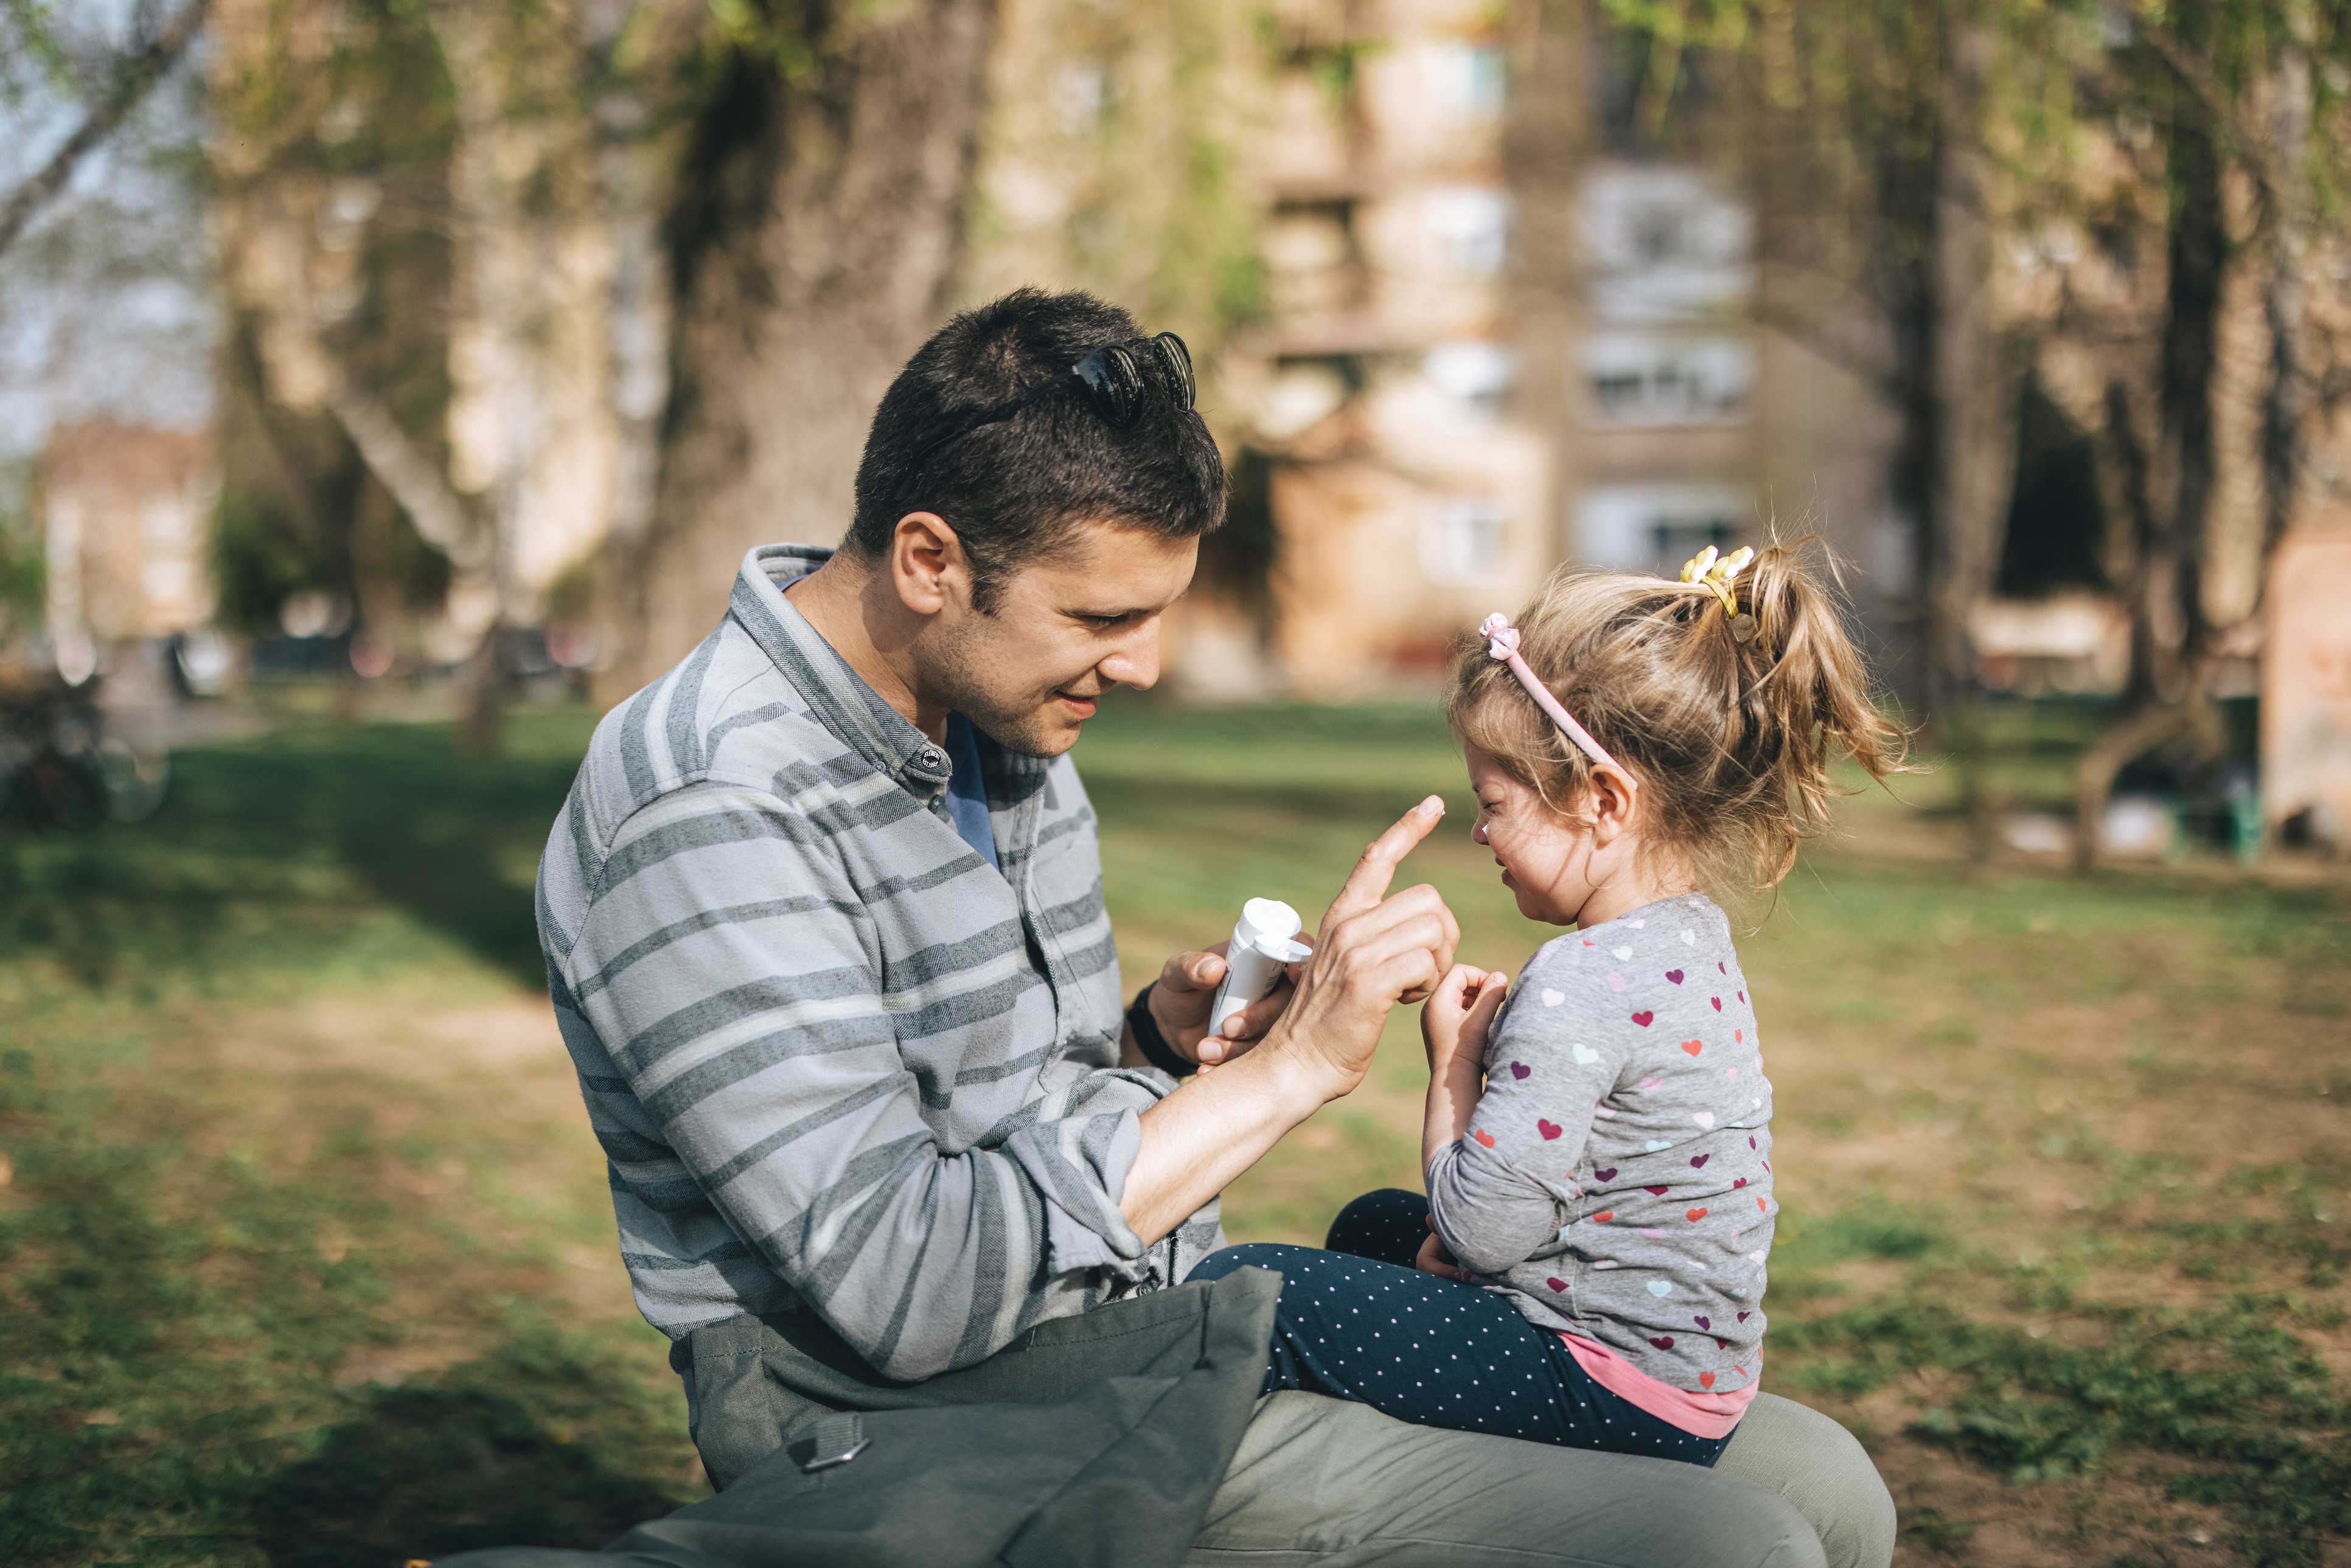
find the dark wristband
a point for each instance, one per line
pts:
(1151, 1042)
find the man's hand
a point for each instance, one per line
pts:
(1186, 988)
(1372, 952)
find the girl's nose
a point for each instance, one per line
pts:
(1478, 830)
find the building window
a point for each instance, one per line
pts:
(1673, 540)
(1656, 378)
(1473, 225)
(1462, 539)
(1655, 528)
(1302, 394)
(1664, 243)
(1476, 374)
(1472, 81)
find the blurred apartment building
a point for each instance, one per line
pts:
(1500, 340)
(127, 536)
(1401, 497)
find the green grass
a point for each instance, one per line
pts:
(305, 1256)
(193, 1281)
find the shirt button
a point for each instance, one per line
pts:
(930, 760)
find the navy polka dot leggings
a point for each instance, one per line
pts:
(1359, 1321)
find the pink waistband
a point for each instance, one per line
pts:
(1699, 1415)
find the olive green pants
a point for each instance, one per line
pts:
(1323, 1481)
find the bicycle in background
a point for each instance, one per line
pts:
(60, 768)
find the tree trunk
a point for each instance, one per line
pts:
(489, 682)
(1906, 284)
(814, 244)
(2170, 634)
(2291, 390)
(1969, 395)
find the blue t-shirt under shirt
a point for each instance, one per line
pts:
(967, 791)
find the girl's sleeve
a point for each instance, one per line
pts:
(1501, 1195)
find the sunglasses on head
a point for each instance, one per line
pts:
(1112, 379)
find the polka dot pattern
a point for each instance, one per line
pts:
(1360, 1322)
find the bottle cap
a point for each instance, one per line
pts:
(1270, 917)
(1271, 926)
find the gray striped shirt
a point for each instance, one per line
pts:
(835, 1059)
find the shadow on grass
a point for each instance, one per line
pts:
(277, 849)
(429, 1472)
(176, 1324)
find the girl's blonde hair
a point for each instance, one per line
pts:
(1731, 741)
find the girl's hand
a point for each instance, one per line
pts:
(1480, 1022)
(1435, 1258)
(1459, 1013)
(1448, 1005)
(1454, 1023)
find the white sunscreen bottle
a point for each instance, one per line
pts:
(1264, 942)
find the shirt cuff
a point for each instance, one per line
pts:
(1079, 1166)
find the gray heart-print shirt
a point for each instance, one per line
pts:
(1616, 1181)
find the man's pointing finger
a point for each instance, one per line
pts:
(1368, 882)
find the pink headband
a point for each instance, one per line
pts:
(1502, 643)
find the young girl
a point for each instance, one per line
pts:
(1587, 1268)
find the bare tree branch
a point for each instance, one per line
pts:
(440, 515)
(136, 77)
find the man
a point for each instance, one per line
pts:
(824, 923)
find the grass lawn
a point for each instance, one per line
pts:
(305, 1257)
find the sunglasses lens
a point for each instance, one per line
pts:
(1177, 361)
(1115, 384)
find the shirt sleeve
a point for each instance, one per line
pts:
(731, 970)
(1500, 1195)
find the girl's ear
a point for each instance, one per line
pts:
(1612, 792)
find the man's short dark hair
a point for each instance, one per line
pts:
(1013, 490)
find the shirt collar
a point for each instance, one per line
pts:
(837, 697)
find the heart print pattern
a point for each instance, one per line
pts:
(1674, 1122)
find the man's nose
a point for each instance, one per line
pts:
(1136, 661)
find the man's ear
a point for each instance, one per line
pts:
(1612, 795)
(927, 564)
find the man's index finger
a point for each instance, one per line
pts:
(1368, 882)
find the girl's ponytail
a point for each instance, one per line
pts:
(1734, 726)
(1810, 690)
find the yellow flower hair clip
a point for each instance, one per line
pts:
(1716, 574)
